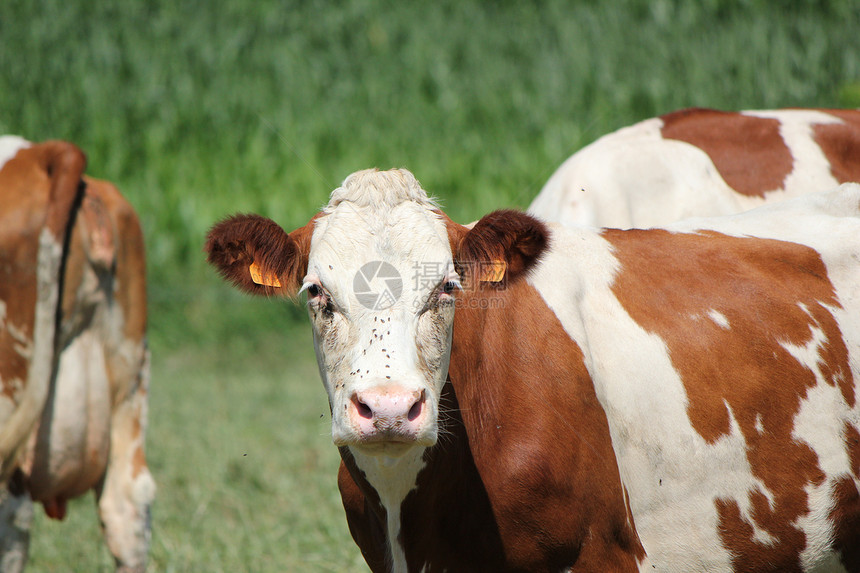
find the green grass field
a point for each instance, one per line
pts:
(197, 109)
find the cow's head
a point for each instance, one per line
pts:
(382, 268)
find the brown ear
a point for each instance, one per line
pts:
(501, 247)
(258, 256)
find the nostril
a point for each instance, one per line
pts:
(362, 409)
(416, 409)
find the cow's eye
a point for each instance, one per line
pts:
(447, 289)
(314, 290)
(318, 298)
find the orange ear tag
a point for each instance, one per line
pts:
(493, 272)
(267, 280)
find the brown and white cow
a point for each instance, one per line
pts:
(701, 163)
(73, 359)
(678, 399)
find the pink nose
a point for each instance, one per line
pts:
(388, 413)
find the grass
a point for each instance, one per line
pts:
(197, 109)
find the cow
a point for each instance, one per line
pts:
(702, 162)
(74, 364)
(515, 396)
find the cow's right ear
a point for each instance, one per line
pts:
(501, 247)
(258, 256)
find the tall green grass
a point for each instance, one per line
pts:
(200, 108)
(197, 109)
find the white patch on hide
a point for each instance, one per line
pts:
(10, 145)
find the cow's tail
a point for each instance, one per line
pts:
(64, 164)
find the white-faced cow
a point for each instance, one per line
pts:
(653, 400)
(73, 359)
(702, 162)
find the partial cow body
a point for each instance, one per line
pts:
(727, 362)
(670, 400)
(84, 392)
(702, 162)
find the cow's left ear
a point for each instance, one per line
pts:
(258, 256)
(501, 247)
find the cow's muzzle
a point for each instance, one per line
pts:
(390, 414)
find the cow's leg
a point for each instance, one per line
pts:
(127, 491)
(16, 517)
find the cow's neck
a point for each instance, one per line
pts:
(538, 435)
(523, 476)
(391, 479)
(446, 521)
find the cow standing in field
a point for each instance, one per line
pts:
(702, 162)
(74, 366)
(680, 399)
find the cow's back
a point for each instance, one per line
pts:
(701, 163)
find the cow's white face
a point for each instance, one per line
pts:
(377, 267)
(380, 288)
